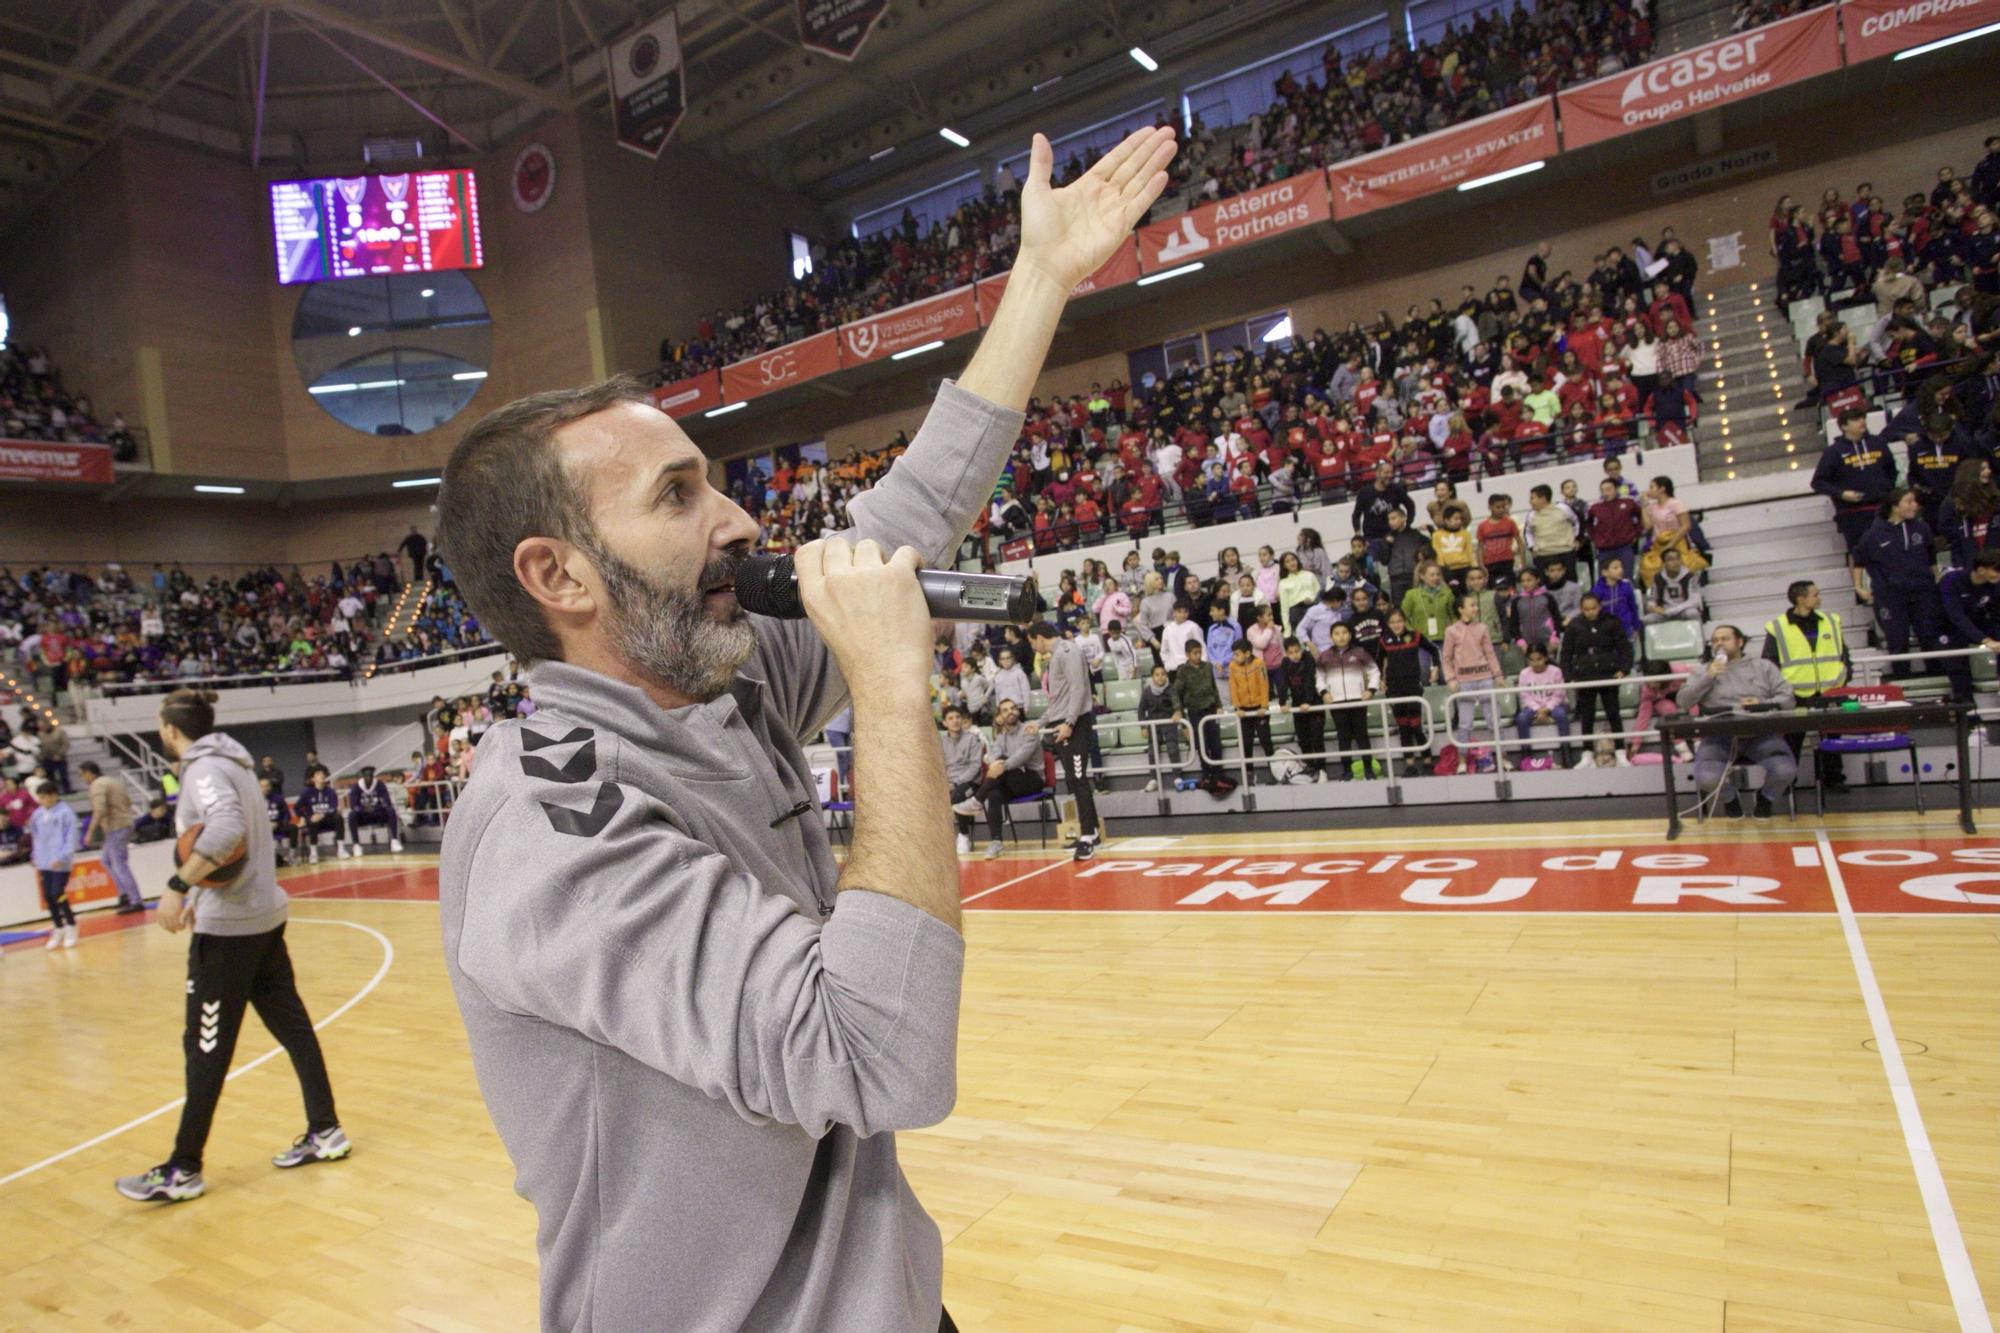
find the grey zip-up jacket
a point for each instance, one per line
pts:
(694, 1055)
(964, 756)
(1069, 684)
(1744, 678)
(1015, 749)
(219, 792)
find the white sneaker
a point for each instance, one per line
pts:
(313, 859)
(395, 846)
(340, 850)
(994, 848)
(55, 938)
(1624, 760)
(1685, 755)
(969, 806)
(1588, 761)
(69, 936)
(965, 844)
(1152, 784)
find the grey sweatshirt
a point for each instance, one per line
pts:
(1069, 683)
(1744, 678)
(964, 756)
(694, 1056)
(1015, 748)
(219, 792)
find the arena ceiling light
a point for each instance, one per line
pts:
(470, 375)
(354, 331)
(1151, 278)
(1953, 40)
(909, 352)
(881, 153)
(1146, 62)
(727, 408)
(952, 136)
(219, 490)
(410, 482)
(332, 388)
(1498, 176)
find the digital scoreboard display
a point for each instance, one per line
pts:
(365, 226)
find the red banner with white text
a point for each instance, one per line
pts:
(49, 460)
(1121, 268)
(1298, 201)
(782, 367)
(1701, 78)
(1511, 138)
(1884, 27)
(947, 316)
(684, 398)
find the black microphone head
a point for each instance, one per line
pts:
(766, 585)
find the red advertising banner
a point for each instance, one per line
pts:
(947, 316)
(1290, 204)
(1713, 74)
(838, 27)
(781, 367)
(1511, 138)
(1884, 27)
(1121, 268)
(684, 398)
(46, 460)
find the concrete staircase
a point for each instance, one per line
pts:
(1748, 385)
(1685, 23)
(1761, 549)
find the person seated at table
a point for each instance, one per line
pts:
(1731, 682)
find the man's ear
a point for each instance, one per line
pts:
(556, 574)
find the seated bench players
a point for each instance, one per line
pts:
(368, 805)
(318, 812)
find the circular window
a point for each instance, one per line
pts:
(396, 355)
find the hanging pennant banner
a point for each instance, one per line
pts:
(647, 96)
(838, 27)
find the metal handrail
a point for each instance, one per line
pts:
(1501, 743)
(1386, 703)
(273, 679)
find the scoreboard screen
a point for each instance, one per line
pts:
(364, 226)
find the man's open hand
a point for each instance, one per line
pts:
(1069, 233)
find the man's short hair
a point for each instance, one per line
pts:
(1543, 491)
(46, 788)
(90, 766)
(1799, 589)
(505, 482)
(1042, 629)
(1853, 414)
(949, 709)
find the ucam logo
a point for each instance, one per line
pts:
(1696, 66)
(863, 339)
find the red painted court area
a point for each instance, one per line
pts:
(1921, 875)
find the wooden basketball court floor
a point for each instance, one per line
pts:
(1531, 1076)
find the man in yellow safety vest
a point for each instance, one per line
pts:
(1807, 645)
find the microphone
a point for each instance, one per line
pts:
(769, 586)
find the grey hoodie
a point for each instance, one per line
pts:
(219, 791)
(694, 1055)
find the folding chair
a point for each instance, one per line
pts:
(1874, 740)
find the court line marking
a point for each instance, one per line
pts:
(1959, 1277)
(388, 957)
(1335, 840)
(1038, 870)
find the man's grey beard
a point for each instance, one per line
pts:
(667, 634)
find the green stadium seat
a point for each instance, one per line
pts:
(1673, 641)
(1038, 703)
(1512, 661)
(1122, 696)
(1281, 728)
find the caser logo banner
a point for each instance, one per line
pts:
(1711, 75)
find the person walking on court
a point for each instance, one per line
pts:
(111, 823)
(237, 957)
(53, 833)
(1069, 725)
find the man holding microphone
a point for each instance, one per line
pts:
(694, 1032)
(1731, 683)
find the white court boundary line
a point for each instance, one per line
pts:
(1038, 870)
(1959, 1277)
(388, 957)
